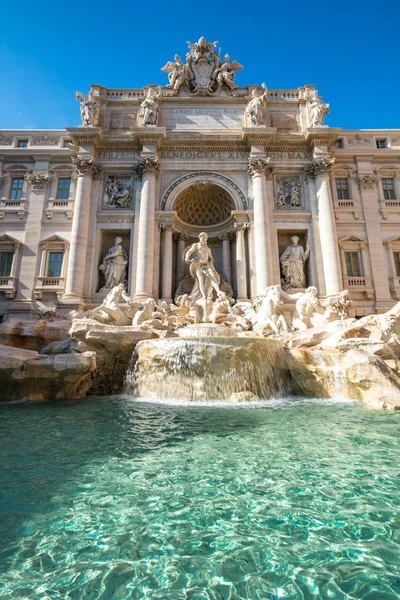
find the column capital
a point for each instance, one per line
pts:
(38, 181)
(223, 237)
(241, 226)
(148, 165)
(367, 182)
(260, 166)
(318, 166)
(166, 225)
(85, 166)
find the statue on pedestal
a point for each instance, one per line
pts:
(318, 111)
(254, 109)
(225, 73)
(202, 269)
(89, 109)
(114, 265)
(148, 112)
(293, 260)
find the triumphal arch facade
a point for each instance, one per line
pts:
(284, 198)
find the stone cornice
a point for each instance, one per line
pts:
(259, 135)
(84, 136)
(322, 135)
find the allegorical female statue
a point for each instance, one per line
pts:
(318, 111)
(114, 265)
(254, 109)
(148, 112)
(89, 109)
(202, 269)
(292, 261)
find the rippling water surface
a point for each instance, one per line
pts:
(114, 499)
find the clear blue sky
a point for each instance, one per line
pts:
(50, 49)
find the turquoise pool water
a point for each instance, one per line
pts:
(115, 499)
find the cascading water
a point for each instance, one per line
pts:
(207, 368)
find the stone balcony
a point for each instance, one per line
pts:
(18, 207)
(395, 287)
(360, 283)
(59, 207)
(389, 207)
(8, 285)
(55, 285)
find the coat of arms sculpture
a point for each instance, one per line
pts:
(204, 73)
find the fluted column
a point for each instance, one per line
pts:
(85, 170)
(263, 216)
(167, 262)
(180, 263)
(241, 268)
(145, 250)
(226, 257)
(330, 252)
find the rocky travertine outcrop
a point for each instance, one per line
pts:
(27, 375)
(113, 346)
(33, 335)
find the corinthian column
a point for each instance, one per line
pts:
(145, 250)
(85, 170)
(167, 262)
(226, 257)
(263, 218)
(241, 269)
(330, 252)
(180, 263)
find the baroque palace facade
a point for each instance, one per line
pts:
(149, 169)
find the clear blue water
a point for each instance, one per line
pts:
(115, 499)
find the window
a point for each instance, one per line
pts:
(396, 256)
(342, 188)
(55, 264)
(381, 143)
(6, 259)
(339, 143)
(64, 184)
(66, 143)
(22, 144)
(353, 264)
(17, 185)
(388, 188)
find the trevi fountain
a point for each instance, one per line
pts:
(197, 405)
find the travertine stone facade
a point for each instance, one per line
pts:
(155, 166)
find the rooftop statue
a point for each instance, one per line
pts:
(317, 109)
(149, 108)
(177, 72)
(254, 110)
(89, 109)
(225, 73)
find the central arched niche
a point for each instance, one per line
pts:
(204, 204)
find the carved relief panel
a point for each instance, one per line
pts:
(288, 192)
(117, 193)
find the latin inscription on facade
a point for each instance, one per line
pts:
(197, 154)
(118, 155)
(202, 118)
(290, 155)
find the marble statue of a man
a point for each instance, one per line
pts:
(293, 260)
(114, 265)
(254, 109)
(148, 112)
(202, 269)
